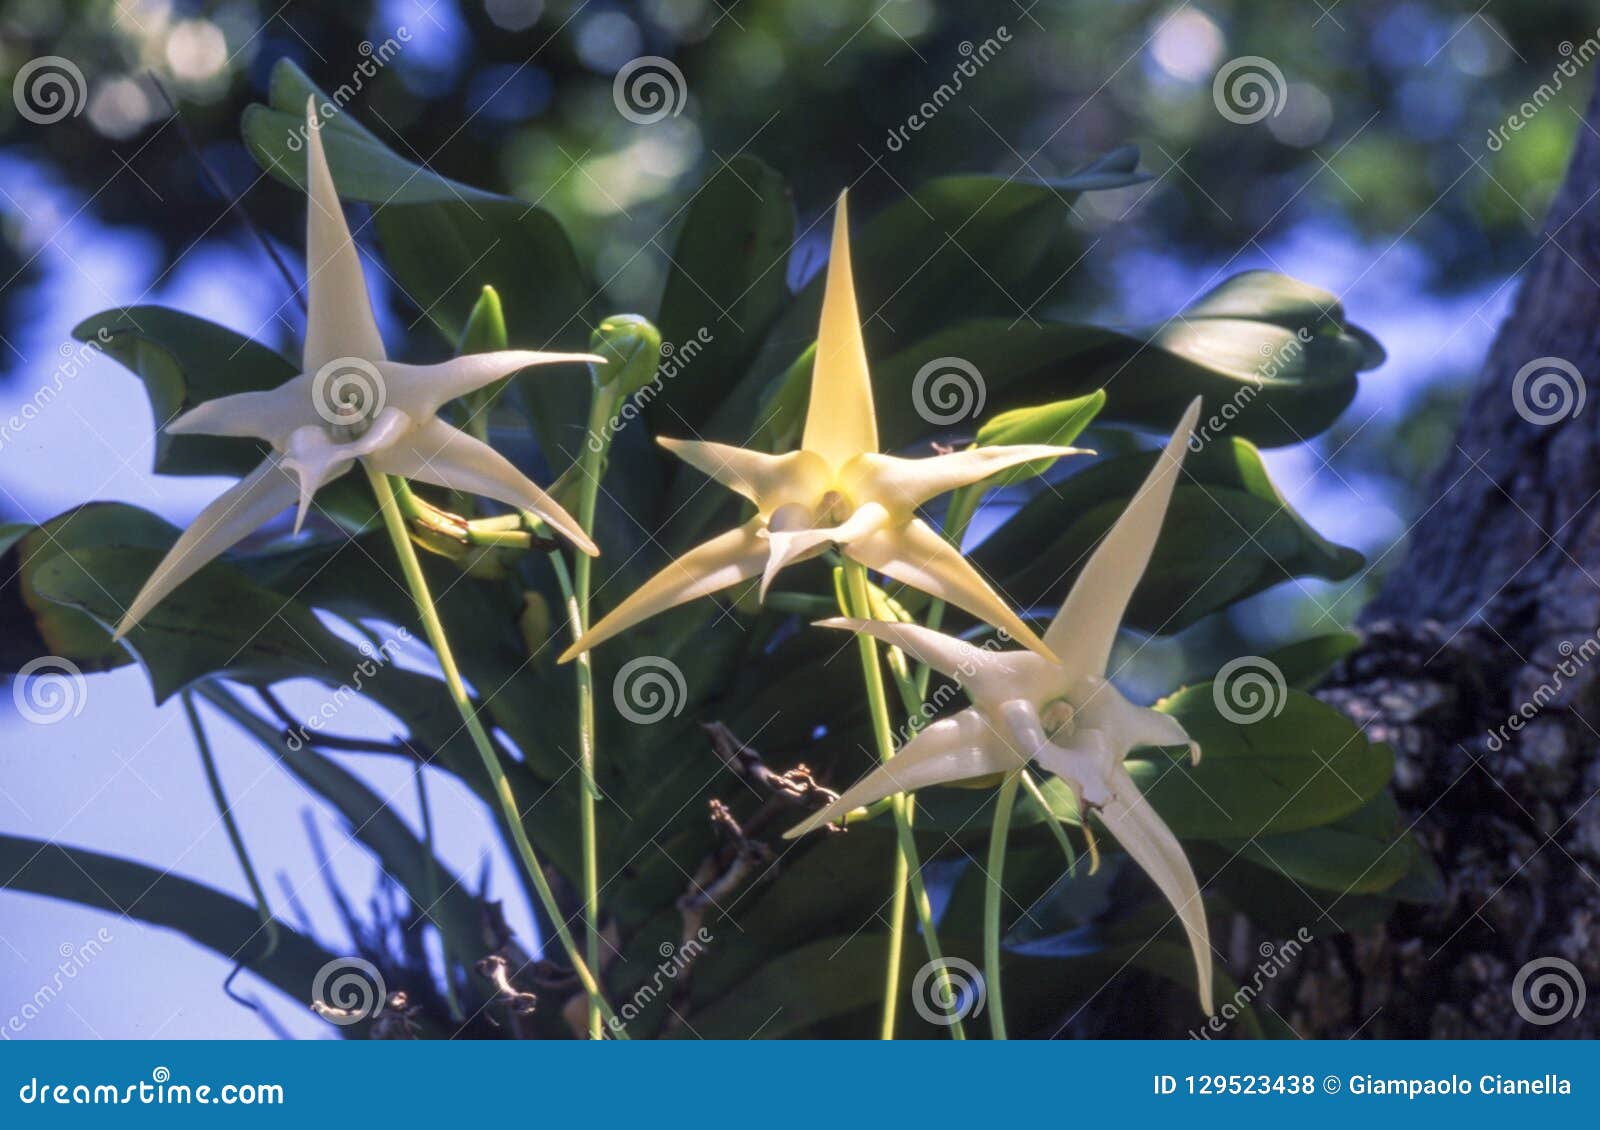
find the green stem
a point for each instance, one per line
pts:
(430, 868)
(908, 884)
(225, 813)
(418, 583)
(592, 466)
(993, 895)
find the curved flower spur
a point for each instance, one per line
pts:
(350, 402)
(1065, 715)
(837, 490)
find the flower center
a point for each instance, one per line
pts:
(1058, 718)
(833, 509)
(350, 419)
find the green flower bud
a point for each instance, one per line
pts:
(632, 348)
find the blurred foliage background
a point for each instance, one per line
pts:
(1375, 178)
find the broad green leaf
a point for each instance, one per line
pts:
(1305, 766)
(1273, 360)
(363, 167)
(1305, 662)
(1228, 534)
(1362, 853)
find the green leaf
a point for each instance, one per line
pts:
(1273, 360)
(726, 285)
(1058, 424)
(184, 360)
(1362, 853)
(1228, 534)
(1305, 766)
(208, 917)
(363, 167)
(1305, 662)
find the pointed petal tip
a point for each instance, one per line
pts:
(843, 623)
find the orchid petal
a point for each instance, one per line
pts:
(339, 322)
(423, 389)
(1147, 839)
(908, 483)
(1127, 725)
(840, 420)
(957, 748)
(913, 554)
(990, 675)
(227, 520)
(270, 415)
(720, 563)
(435, 452)
(769, 481)
(1086, 626)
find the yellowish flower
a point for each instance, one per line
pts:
(837, 490)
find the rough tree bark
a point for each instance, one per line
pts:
(1495, 605)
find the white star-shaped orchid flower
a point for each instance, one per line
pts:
(1066, 715)
(837, 490)
(350, 402)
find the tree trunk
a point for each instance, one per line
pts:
(1481, 665)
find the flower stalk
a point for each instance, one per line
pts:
(908, 883)
(411, 566)
(993, 896)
